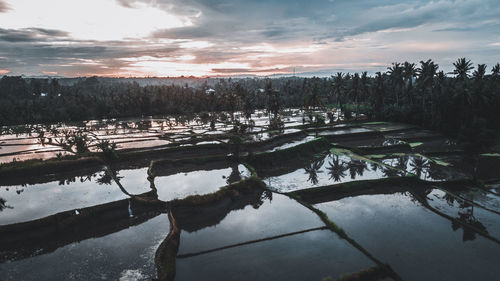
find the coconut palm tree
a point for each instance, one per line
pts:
(462, 92)
(426, 73)
(379, 92)
(355, 91)
(314, 100)
(396, 77)
(480, 95)
(339, 87)
(409, 73)
(365, 86)
(495, 71)
(462, 68)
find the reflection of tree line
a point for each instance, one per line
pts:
(465, 213)
(3, 204)
(102, 179)
(110, 176)
(340, 166)
(417, 165)
(115, 216)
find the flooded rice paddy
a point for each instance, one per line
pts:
(371, 204)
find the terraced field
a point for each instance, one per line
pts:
(349, 201)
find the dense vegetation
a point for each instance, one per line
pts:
(463, 103)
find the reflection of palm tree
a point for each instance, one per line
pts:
(106, 178)
(465, 215)
(374, 166)
(389, 172)
(450, 199)
(435, 171)
(235, 174)
(337, 169)
(468, 218)
(3, 205)
(266, 195)
(419, 165)
(402, 163)
(356, 167)
(313, 169)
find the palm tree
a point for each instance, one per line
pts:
(396, 77)
(379, 95)
(442, 87)
(480, 72)
(427, 72)
(314, 100)
(365, 83)
(339, 85)
(355, 86)
(462, 68)
(409, 73)
(495, 71)
(480, 97)
(462, 92)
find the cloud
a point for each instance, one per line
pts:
(4, 7)
(31, 35)
(125, 3)
(459, 14)
(249, 36)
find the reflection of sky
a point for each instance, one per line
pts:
(181, 185)
(127, 255)
(135, 181)
(40, 200)
(292, 143)
(298, 257)
(308, 256)
(345, 131)
(412, 239)
(279, 216)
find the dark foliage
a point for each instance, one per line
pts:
(462, 105)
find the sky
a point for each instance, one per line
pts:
(241, 37)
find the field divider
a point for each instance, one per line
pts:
(342, 234)
(251, 242)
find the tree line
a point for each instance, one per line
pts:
(460, 104)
